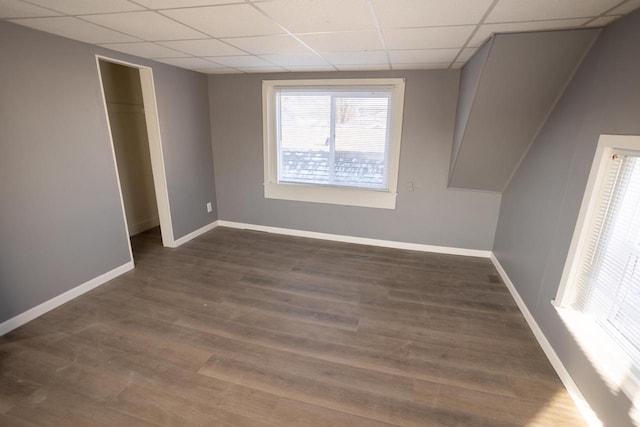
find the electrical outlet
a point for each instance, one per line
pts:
(209, 207)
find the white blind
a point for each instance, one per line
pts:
(332, 136)
(608, 287)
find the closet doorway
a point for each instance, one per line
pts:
(130, 105)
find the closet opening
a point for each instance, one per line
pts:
(130, 106)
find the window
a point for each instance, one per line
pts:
(333, 141)
(601, 284)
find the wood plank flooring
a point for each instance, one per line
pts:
(241, 328)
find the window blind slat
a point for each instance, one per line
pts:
(608, 286)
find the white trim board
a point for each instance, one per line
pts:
(113, 154)
(358, 240)
(581, 403)
(39, 310)
(381, 198)
(57, 301)
(184, 239)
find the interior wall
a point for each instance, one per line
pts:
(183, 109)
(521, 79)
(469, 80)
(61, 221)
(541, 204)
(431, 214)
(123, 94)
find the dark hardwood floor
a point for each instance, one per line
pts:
(240, 328)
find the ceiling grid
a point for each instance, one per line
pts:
(247, 36)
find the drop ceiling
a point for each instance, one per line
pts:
(252, 36)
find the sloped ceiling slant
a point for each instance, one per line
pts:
(507, 90)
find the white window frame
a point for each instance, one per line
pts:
(614, 365)
(384, 199)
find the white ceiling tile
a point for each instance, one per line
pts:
(234, 20)
(18, 9)
(262, 69)
(422, 66)
(308, 16)
(627, 7)
(423, 56)
(206, 47)
(144, 49)
(343, 41)
(427, 38)
(84, 7)
(428, 13)
(486, 30)
(241, 61)
(466, 54)
(418, 33)
(190, 63)
(74, 28)
(539, 10)
(174, 4)
(354, 58)
(222, 70)
(147, 25)
(363, 67)
(269, 44)
(310, 68)
(457, 65)
(602, 21)
(288, 61)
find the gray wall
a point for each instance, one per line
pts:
(430, 215)
(520, 81)
(183, 109)
(469, 81)
(540, 206)
(61, 221)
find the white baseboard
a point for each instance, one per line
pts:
(581, 403)
(144, 225)
(184, 239)
(358, 240)
(39, 310)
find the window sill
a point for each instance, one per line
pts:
(611, 363)
(331, 195)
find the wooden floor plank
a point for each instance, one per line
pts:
(242, 328)
(289, 412)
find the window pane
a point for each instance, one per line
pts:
(304, 133)
(621, 249)
(611, 275)
(361, 141)
(333, 138)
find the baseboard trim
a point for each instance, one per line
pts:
(39, 310)
(357, 240)
(144, 225)
(581, 403)
(184, 239)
